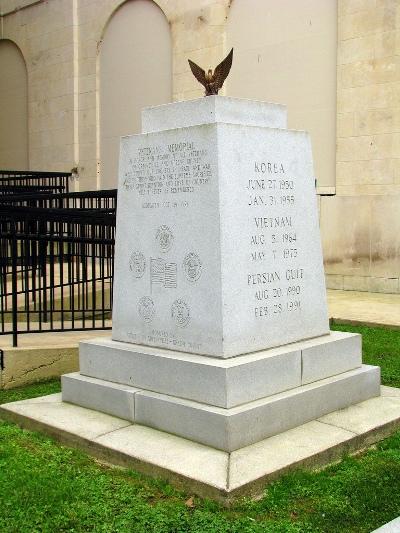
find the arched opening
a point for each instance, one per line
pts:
(285, 52)
(135, 71)
(13, 108)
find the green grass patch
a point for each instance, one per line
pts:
(30, 391)
(381, 347)
(46, 487)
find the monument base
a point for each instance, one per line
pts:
(224, 429)
(225, 404)
(203, 470)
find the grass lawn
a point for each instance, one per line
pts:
(45, 487)
(381, 347)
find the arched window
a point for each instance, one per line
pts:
(135, 71)
(13, 108)
(285, 52)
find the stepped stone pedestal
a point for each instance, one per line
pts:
(220, 326)
(223, 403)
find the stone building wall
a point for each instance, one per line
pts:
(361, 223)
(14, 118)
(44, 33)
(60, 41)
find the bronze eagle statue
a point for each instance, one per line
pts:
(212, 81)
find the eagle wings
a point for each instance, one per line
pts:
(212, 81)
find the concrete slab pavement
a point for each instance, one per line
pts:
(201, 469)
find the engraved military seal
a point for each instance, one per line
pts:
(137, 264)
(164, 238)
(192, 266)
(146, 308)
(180, 313)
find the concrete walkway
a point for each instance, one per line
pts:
(49, 339)
(390, 527)
(373, 309)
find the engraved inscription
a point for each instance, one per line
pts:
(180, 313)
(167, 169)
(163, 338)
(146, 308)
(276, 285)
(192, 267)
(137, 264)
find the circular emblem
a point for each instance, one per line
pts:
(146, 308)
(192, 266)
(164, 238)
(137, 264)
(180, 313)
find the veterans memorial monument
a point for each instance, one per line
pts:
(220, 325)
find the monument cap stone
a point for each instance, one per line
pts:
(213, 109)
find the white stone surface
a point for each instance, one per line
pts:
(278, 452)
(166, 451)
(61, 416)
(219, 382)
(285, 277)
(390, 391)
(322, 358)
(217, 248)
(198, 468)
(391, 527)
(231, 429)
(354, 417)
(106, 397)
(213, 109)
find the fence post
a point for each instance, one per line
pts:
(42, 245)
(14, 281)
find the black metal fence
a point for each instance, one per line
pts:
(18, 181)
(56, 261)
(88, 200)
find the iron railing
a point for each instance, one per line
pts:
(105, 199)
(13, 181)
(56, 261)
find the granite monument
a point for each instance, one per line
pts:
(220, 324)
